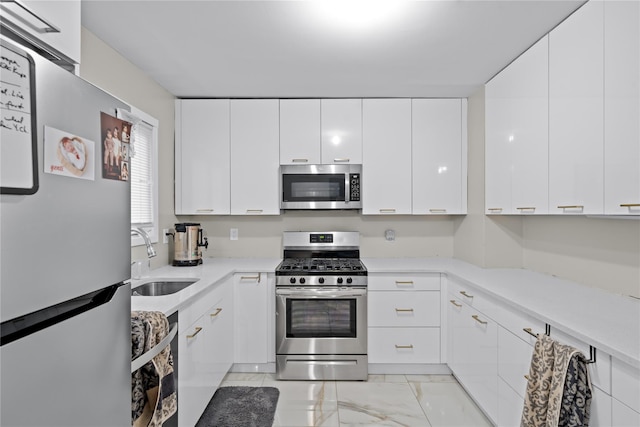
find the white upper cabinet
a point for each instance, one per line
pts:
(517, 135)
(439, 156)
(622, 107)
(386, 153)
(341, 124)
(576, 110)
(254, 157)
(52, 25)
(299, 131)
(202, 179)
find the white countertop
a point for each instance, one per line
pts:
(607, 321)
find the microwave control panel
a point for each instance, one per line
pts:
(354, 187)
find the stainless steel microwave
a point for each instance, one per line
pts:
(321, 186)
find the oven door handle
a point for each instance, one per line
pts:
(323, 292)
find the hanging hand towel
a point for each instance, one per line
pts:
(153, 387)
(536, 402)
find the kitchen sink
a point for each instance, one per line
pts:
(162, 287)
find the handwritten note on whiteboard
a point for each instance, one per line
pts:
(18, 139)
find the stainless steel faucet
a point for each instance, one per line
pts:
(147, 241)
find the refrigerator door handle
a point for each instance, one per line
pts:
(20, 327)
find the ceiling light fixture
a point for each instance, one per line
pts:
(358, 14)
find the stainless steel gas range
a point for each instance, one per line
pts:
(321, 308)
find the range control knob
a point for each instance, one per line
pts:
(302, 280)
(321, 280)
(339, 279)
(349, 280)
(292, 280)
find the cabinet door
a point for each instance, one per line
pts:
(514, 360)
(404, 345)
(576, 109)
(517, 143)
(623, 416)
(622, 107)
(510, 405)
(193, 384)
(299, 131)
(218, 320)
(57, 26)
(254, 157)
(404, 309)
(439, 145)
(202, 157)
(252, 325)
(341, 122)
(386, 153)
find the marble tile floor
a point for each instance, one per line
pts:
(383, 400)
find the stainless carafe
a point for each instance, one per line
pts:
(187, 244)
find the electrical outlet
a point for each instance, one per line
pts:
(390, 235)
(233, 234)
(165, 238)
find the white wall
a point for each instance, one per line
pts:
(604, 253)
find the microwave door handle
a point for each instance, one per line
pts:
(347, 188)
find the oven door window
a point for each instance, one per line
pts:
(321, 318)
(313, 188)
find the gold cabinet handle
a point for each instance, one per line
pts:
(404, 282)
(204, 210)
(494, 209)
(527, 208)
(387, 210)
(477, 319)
(466, 294)
(404, 346)
(256, 278)
(452, 301)
(342, 160)
(299, 160)
(404, 310)
(630, 205)
(218, 310)
(571, 207)
(526, 377)
(438, 210)
(198, 329)
(254, 211)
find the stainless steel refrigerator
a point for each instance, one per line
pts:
(64, 257)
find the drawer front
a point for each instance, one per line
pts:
(404, 309)
(403, 282)
(514, 360)
(404, 345)
(191, 313)
(625, 384)
(516, 323)
(472, 297)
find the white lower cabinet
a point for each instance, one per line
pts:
(473, 354)
(509, 405)
(205, 349)
(254, 318)
(623, 416)
(404, 318)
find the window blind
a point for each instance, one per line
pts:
(141, 176)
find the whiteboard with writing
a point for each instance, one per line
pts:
(18, 139)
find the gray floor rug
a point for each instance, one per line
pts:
(241, 407)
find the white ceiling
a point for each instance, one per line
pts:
(429, 48)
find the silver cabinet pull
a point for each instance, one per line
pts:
(204, 210)
(198, 329)
(404, 282)
(477, 319)
(494, 209)
(343, 160)
(299, 160)
(48, 28)
(218, 310)
(404, 346)
(466, 294)
(452, 301)
(438, 210)
(404, 310)
(254, 211)
(256, 278)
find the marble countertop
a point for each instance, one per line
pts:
(605, 320)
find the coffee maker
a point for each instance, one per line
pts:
(187, 244)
